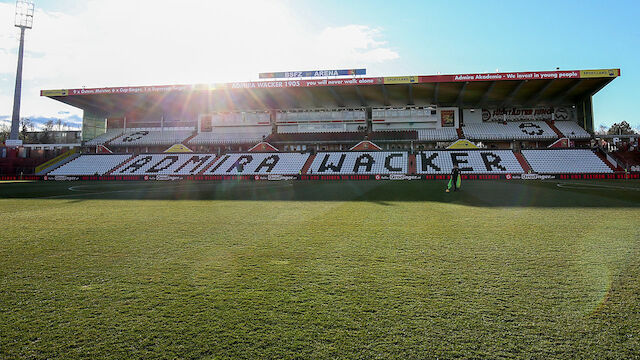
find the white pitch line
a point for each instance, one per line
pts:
(80, 192)
(579, 186)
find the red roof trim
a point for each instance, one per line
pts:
(531, 75)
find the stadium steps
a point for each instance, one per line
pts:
(460, 133)
(185, 142)
(412, 169)
(108, 142)
(121, 165)
(555, 129)
(523, 162)
(56, 162)
(307, 165)
(604, 159)
(209, 165)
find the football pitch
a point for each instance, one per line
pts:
(345, 269)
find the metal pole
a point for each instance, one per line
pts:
(15, 118)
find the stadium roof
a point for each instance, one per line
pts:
(465, 90)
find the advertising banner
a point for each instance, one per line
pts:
(301, 83)
(312, 73)
(534, 75)
(401, 79)
(447, 118)
(599, 73)
(60, 92)
(528, 114)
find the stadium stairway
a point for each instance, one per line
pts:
(119, 166)
(523, 162)
(57, 161)
(307, 165)
(412, 169)
(108, 142)
(186, 141)
(460, 133)
(209, 165)
(555, 129)
(604, 159)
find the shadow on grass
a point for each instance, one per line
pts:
(593, 194)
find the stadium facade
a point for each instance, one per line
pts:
(494, 125)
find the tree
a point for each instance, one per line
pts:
(5, 130)
(26, 125)
(622, 128)
(602, 130)
(45, 137)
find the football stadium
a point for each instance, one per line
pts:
(309, 218)
(326, 214)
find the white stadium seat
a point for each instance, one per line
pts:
(572, 130)
(110, 134)
(90, 165)
(166, 164)
(258, 164)
(152, 137)
(443, 134)
(210, 138)
(384, 162)
(469, 161)
(565, 161)
(516, 130)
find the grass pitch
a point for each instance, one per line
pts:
(320, 270)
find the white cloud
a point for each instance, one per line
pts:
(147, 42)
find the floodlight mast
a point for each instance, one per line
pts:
(23, 20)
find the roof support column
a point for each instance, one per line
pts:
(461, 93)
(410, 88)
(363, 102)
(385, 95)
(509, 99)
(339, 100)
(436, 89)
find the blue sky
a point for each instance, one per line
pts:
(233, 41)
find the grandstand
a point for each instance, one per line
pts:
(565, 161)
(355, 126)
(532, 130)
(152, 136)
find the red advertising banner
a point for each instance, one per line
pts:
(540, 75)
(580, 176)
(533, 75)
(300, 83)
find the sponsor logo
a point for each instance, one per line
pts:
(532, 177)
(167, 177)
(65, 178)
(401, 177)
(508, 176)
(562, 114)
(280, 177)
(486, 115)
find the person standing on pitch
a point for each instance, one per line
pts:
(454, 182)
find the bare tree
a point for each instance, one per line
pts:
(602, 130)
(26, 125)
(5, 130)
(621, 128)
